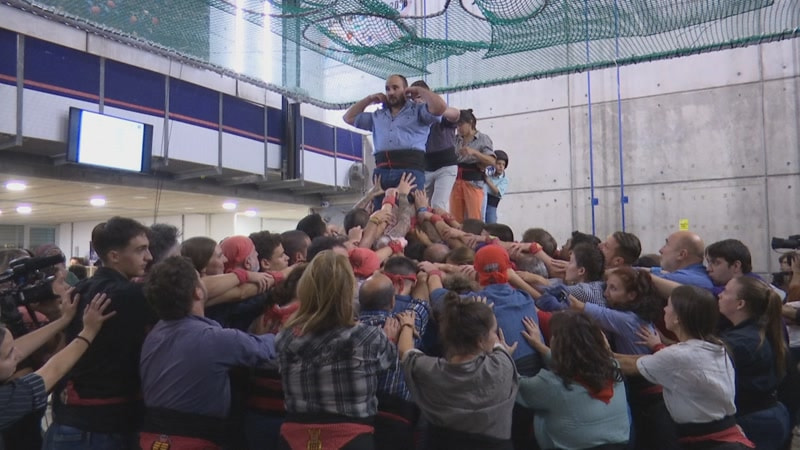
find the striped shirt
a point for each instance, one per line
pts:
(335, 372)
(588, 292)
(20, 397)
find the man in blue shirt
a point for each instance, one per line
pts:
(681, 262)
(185, 362)
(400, 129)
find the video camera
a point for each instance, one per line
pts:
(791, 243)
(22, 284)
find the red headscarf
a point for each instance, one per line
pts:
(399, 281)
(492, 264)
(236, 249)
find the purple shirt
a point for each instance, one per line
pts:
(184, 364)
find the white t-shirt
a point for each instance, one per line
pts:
(698, 380)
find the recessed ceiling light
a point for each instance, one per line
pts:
(250, 213)
(16, 186)
(229, 205)
(24, 209)
(97, 201)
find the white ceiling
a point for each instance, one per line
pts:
(56, 201)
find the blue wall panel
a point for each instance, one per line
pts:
(349, 145)
(60, 70)
(242, 118)
(134, 89)
(275, 125)
(318, 137)
(193, 104)
(8, 57)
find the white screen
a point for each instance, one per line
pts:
(110, 142)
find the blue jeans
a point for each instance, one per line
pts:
(63, 437)
(491, 214)
(768, 428)
(391, 178)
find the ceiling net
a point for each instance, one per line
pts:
(334, 52)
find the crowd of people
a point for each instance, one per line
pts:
(404, 329)
(407, 327)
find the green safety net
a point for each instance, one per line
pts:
(334, 52)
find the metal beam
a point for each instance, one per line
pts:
(280, 184)
(25, 164)
(198, 173)
(16, 141)
(246, 179)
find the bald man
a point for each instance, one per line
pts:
(681, 263)
(377, 299)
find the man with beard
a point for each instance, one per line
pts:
(400, 129)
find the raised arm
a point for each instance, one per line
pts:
(375, 191)
(60, 363)
(436, 104)
(451, 114)
(405, 340)
(663, 286)
(29, 343)
(361, 105)
(627, 363)
(515, 280)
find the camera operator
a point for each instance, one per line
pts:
(20, 396)
(792, 288)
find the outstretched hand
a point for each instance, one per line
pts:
(407, 184)
(376, 189)
(69, 304)
(483, 300)
(408, 318)
(262, 280)
(93, 316)
(532, 333)
(501, 339)
(391, 328)
(420, 199)
(648, 337)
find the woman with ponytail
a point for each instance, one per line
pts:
(696, 374)
(467, 396)
(756, 344)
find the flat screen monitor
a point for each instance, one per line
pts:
(106, 141)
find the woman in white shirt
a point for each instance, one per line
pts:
(697, 374)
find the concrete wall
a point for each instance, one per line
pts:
(711, 138)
